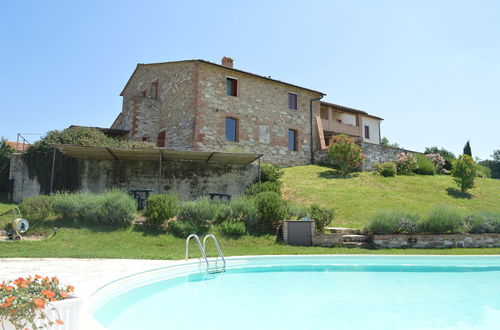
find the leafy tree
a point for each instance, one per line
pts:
(494, 164)
(447, 155)
(467, 150)
(385, 142)
(6, 152)
(345, 153)
(464, 172)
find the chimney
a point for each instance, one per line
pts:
(227, 61)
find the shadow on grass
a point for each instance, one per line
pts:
(75, 223)
(334, 174)
(453, 192)
(148, 230)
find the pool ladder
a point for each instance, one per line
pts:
(203, 250)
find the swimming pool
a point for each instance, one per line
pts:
(309, 292)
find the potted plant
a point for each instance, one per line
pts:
(32, 301)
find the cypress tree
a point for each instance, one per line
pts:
(467, 150)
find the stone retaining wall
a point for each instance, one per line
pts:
(436, 241)
(327, 240)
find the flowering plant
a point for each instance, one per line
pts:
(22, 301)
(345, 153)
(406, 163)
(438, 161)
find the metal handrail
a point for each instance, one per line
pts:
(199, 245)
(218, 248)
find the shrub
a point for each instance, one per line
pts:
(232, 228)
(406, 163)
(186, 228)
(6, 152)
(439, 162)
(113, 207)
(392, 222)
(160, 208)
(224, 213)
(483, 171)
(493, 166)
(483, 222)
(447, 155)
(272, 211)
(37, 208)
(424, 165)
(243, 208)
(386, 169)
(296, 212)
(258, 187)
(322, 217)
(467, 150)
(441, 220)
(345, 154)
(270, 173)
(198, 214)
(464, 172)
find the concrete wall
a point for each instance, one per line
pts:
(189, 180)
(374, 127)
(346, 118)
(24, 186)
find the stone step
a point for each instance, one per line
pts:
(355, 244)
(341, 230)
(355, 238)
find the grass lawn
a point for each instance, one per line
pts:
(356, 198)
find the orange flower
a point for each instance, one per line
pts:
(38, 277)
(39, 303)
(64, 295)
(20, 282)
(7, 304)
(55, 279)
(60, 322)
(48, 293)
(70, 288)
(8, 288)
(10, 299)
(12, 311)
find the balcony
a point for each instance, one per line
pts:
(340, 128)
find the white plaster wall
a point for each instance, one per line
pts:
(346, 118)
(374, 129)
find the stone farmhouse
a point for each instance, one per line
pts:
(196, 105)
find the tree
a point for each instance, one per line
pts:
(6, 152)
(467, 150)
(464, 172)
(345, 153)
(385, 142)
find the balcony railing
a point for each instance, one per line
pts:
(334, 126)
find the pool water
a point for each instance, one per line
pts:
(332, 292)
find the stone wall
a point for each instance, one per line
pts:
(192, 106)
(173, 110)
(262, 113)
(327, 240)
(376, 153)
(189, 180)
(436, 241)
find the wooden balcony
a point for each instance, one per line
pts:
(339, 128)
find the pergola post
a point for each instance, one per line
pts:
(159, 172)
(52, 172)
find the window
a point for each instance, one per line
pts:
(292, 101)
(144, 93)
(324, 114)
(231, 129)
(367, 132)
(231, 87)
(292, 140)
(154, 90)
(160, 141)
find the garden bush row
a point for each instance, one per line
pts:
(114, 207)
(440, 220)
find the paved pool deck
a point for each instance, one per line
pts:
(86, 275)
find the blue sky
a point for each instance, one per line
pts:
(431, 69)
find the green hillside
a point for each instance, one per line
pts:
(357, 197)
